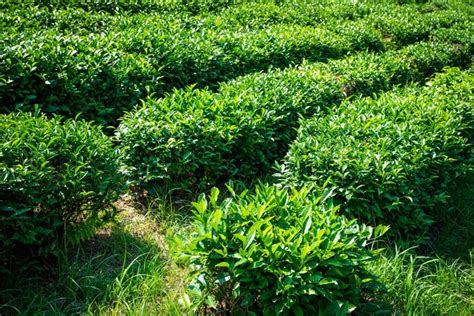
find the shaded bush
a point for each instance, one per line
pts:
(57, 179)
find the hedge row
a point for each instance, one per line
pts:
(261, 15)
(414, 29)
(122, 6)
(460, 34)
(104, 74)
(56, 178)
(390, 158)
(250, 15)
(196, 138)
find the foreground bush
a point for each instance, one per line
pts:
(278, 252)
(196, 138)
(56, 178)
(391, 158)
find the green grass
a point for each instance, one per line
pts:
(418, 285)
(123, 270)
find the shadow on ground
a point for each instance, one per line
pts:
(95, 273)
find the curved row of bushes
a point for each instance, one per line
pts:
(412, 28)
(291, 251)
(115, 70)
(131, 7)
(57, 178)
(249, 15)
(196, 138)
(145, 55)
(389, 158)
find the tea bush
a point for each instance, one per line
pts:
(196, 139)
(389, 159)
(57, 179)
(278, 252)
(460, 34)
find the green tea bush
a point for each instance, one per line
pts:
(57, 179)
(21, 19)
(260, 15)
(266, 13)
(278, 252)
(460, 34)
(248, 16)
(104, 6)
(389, 159)
(196, 139)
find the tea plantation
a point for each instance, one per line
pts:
(230, 157)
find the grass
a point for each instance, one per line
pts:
(123, 270)
(127, 269)
(438, 278)
(418, 285)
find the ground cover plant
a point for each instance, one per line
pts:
(122, 124)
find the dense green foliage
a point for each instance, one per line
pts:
(328, 106)
(56, 178)
(278, 252)
(389, 158)
(196, 138)
(103, 75)
(101, 64)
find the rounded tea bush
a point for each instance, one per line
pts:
(56, 177)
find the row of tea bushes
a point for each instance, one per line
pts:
(77, 20)
(144, 55)
(249, 15)
(193, 139)
(118, 7)
(103, 75)
(460, 34)
(415, 28)
(261, 15)
(389, 158)
(57, 179)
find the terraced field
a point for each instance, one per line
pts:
(225, 157)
